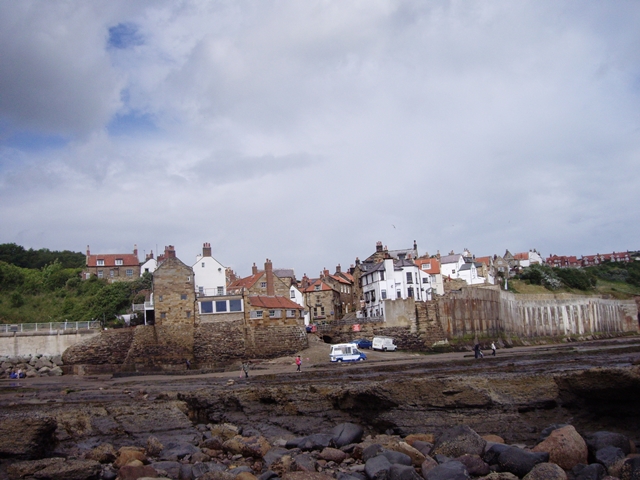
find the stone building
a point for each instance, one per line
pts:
(322, 300)
(112, 266)
(262, 282)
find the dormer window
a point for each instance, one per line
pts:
(118, 261)
(100, 263)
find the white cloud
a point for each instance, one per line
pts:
(306, 131)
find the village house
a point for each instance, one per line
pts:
(321, 299)
(150, 264)
(210, 274)
(112, 266)
(562, 261)
(590, 260)
(430, 276)
(344, 284)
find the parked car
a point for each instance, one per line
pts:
(362, 343)
(383, 343)
(346, 352)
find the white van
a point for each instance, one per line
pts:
(346, 352)
(384, 343)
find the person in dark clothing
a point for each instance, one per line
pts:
(478, 351)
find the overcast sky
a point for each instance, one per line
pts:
(306, 131)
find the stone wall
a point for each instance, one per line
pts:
(219, 342)
(276, 340)
(161, 346)
(108, 348)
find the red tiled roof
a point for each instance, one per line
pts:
(312, 286)
(274, 302)
(521, 256)
(485, 260)
(340, 279)
(246, 282)
(128, 260)
(435, 265)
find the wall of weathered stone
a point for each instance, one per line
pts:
(110, 347)
(276, 340)
(45, 343)
(219, 342)
(161, 346)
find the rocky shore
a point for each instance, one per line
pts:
(31, 365)
(559, 412)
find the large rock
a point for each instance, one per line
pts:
(28, 436)
(598, 440)
(546, 471)
(520, 462)
(416, 456)
(397, 457)
(255, 447)
(453, 470)
(631, 469)
(135, 472)
(30, 467)
(346, 433)
(474, 465)
(611, 458)
(459, 440)
(377, 468)
(565, 446)
(104, 453)
(594, 471)
(403, 472)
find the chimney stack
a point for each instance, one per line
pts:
(206, 249)
(268, 270)
(135, 249)
(338, 269)
(254, 269)
(169, 252)
(88, 251)
(378, 246)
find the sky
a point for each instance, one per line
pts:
(305, 132)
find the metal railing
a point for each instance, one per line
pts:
(50, 326)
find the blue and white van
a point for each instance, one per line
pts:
(346, 352)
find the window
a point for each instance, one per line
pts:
(291, 314)
(100, 274)
(453, 271)
(183, 296)
(163, 314)
(201, 290)
(159, 298)
(206, 307)
(316, 288)
(100, 263)
(118, 261)
(202, 264)
(383, 294)
(426, 266)
(381, 274)
(112, 273)
(188, 314)
(87, 275)
(256, 314)
(220, 290)
(409, 277)
(398, 294)
(263, 284)
(292, 294)
(221, 306)
(322, 311)
(129, 272)
(188, 278)
(235, 305)
(425, 280)
(275, 313)
(410, 292)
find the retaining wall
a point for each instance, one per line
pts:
(45, 343)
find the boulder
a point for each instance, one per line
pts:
(305, 463)
(630, 469)
(416, 456)
(397, 457)
(212, 443)
(474, 465)
(135, 472)
(317, 441)
(448, 471)
(459, 440)
(611, 458)
(371, 451)
(546, 471)
(27, 436)
(346, 433)
(428, 464)
(274, 454)
(332, 455)
(594, 471)
(520, 462)
(598, 440)
(565, 446)
(255, 447)
(377, 468)
(168, 469)
(55, 372)
(225, 430)
(421, 437)
(402, 472)
(128, 454)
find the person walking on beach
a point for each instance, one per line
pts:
(478, 351)
(298, 363)
(245, 369)
(493, 349)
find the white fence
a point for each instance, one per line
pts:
(52, 327)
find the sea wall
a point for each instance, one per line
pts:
(43, 343)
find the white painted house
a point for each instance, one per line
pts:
(149, 265)
(390, 280)
(210, 277)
